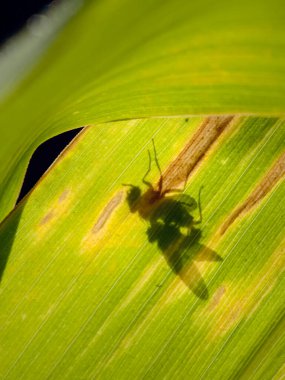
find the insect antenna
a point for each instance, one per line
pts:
(160, 183)
(147, 172)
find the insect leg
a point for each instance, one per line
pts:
(199, 207)
(176, 190)
(172, 191)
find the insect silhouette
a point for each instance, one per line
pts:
(172, 226)
(159, 205)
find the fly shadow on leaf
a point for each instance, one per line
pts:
(173, 228)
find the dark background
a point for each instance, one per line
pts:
(13, 17)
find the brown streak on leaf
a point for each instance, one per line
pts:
(47, 218)
(274, 174)
(107, 212)
(63, 196)
(194, 151)
(218, 295)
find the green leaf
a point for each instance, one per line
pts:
(96, 287)
(133, 59)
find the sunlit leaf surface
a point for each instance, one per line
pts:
(102, 278)
(131, 59)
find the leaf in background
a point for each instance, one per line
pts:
(94, 289)
(132, 59)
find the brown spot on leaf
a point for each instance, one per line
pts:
(63, 196)
(275, 173)
(107, 212)
(47, 218)
(194, 151)
(218, 295)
